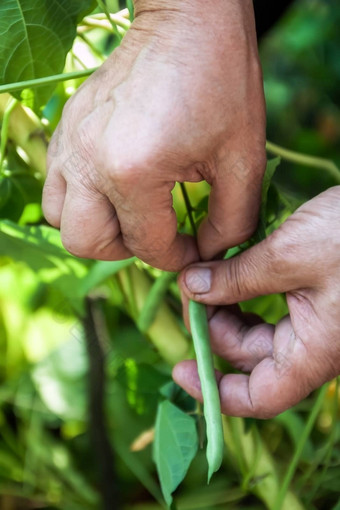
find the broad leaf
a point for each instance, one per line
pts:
(175, 446)
(16, 190)
(141, 382)
(35, 36)
(40, 248)
(99, 272)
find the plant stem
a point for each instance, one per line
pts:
(46, 80)
(4, 130)
(189, 208)
(305, 159)
(298, 451)
(103, 6)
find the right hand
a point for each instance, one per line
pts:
(180, 100)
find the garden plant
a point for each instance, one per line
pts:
(90, 417)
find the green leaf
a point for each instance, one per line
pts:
(40, 248)
(99, 272)
(141, 383)
(35, 36)
(171, 391)
(175, 446)
(18, 189)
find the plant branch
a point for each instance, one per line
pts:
(46, 80)
(189, 208)
(103, 6)
(305, 159)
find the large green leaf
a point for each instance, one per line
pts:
(40, 248)
(35, 36)
(175, 446)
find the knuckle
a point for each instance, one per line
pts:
(125, 165)
(281, 250)
(235, 279)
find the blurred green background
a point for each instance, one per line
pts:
(80, 382)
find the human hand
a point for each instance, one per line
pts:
(180, 100)
(287, 361)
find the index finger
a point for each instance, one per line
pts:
(148, 225)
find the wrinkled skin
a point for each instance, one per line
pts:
(180, 100)
(287, 361)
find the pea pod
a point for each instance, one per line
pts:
(211, 399)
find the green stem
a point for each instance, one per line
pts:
(305, 159)
(189, 208)
(103, 6)
(4, 130)
(298, 451)
(46, 80)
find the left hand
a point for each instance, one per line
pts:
(287, 361)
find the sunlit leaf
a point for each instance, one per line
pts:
(40, 248)
(35, 36)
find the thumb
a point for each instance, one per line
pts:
(267, 268)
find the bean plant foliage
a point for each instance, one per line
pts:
(88, 410)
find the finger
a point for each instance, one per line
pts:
(149, 225)
(277, 383)
(242, 339)
(266, 268)
(185, 375)
(53, 197)
(244, 346)
(234, 202)
(89, 226)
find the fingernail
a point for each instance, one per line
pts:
(198, 280)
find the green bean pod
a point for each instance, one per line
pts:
(211, 398)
